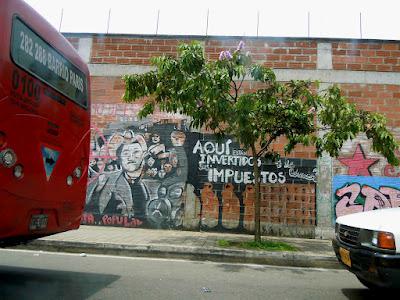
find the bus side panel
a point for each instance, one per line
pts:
(48, 133)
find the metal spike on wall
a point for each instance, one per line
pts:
(61, 19)
(258, 21)
(208, 15)
(108, 20)
(158, 20)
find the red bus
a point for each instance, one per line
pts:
(44, 127)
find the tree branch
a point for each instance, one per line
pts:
(271, 139)
(263, 149)
(233, 98)
(324, 128)
(241, 83)
(236, 89)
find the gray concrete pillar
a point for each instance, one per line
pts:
(324, 227)
(85, 48)
(324, 56)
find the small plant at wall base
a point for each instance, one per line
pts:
(253, 245)
(211, 94)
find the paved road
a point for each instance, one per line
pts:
(44, 275)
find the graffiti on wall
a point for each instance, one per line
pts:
(358, 164)
(359, 190)
(391, 171)
(138, 175)
(224, 162)
(222, 175)
(361, 193)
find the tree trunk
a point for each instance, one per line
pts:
(256, 171)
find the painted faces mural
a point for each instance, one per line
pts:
(138, 176)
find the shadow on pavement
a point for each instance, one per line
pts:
(355, 294)
(17, 283)
(236, 268)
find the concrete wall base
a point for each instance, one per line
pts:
(324, 233)
(288, 230)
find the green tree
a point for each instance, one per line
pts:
(211, 94)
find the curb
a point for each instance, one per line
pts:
(289, 259)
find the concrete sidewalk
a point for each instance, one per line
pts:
(184, 244)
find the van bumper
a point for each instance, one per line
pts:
(380, 269)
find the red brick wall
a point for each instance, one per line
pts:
(134, 51)
(382, 98)
(295, 55)
(292, 204)
(107, 89)
(282, 55)
(366, 56)
(285, 204)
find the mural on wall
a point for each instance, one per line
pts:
(360, 191)
(222, 175)
(139, 173)
(137, 177)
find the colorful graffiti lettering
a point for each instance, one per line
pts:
(355, 193)
(118, 220)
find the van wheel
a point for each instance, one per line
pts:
(368, 284)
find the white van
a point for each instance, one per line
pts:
(368, 245)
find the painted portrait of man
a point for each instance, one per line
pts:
(122, 192)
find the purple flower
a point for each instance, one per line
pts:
(222, 55)
(240, 46)
(225, 55)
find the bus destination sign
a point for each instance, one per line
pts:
(30, 52)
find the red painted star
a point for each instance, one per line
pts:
(358, 164)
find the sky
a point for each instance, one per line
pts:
(367, 19)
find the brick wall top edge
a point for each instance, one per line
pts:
(250, 38)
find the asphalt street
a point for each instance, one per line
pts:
(45, 275)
